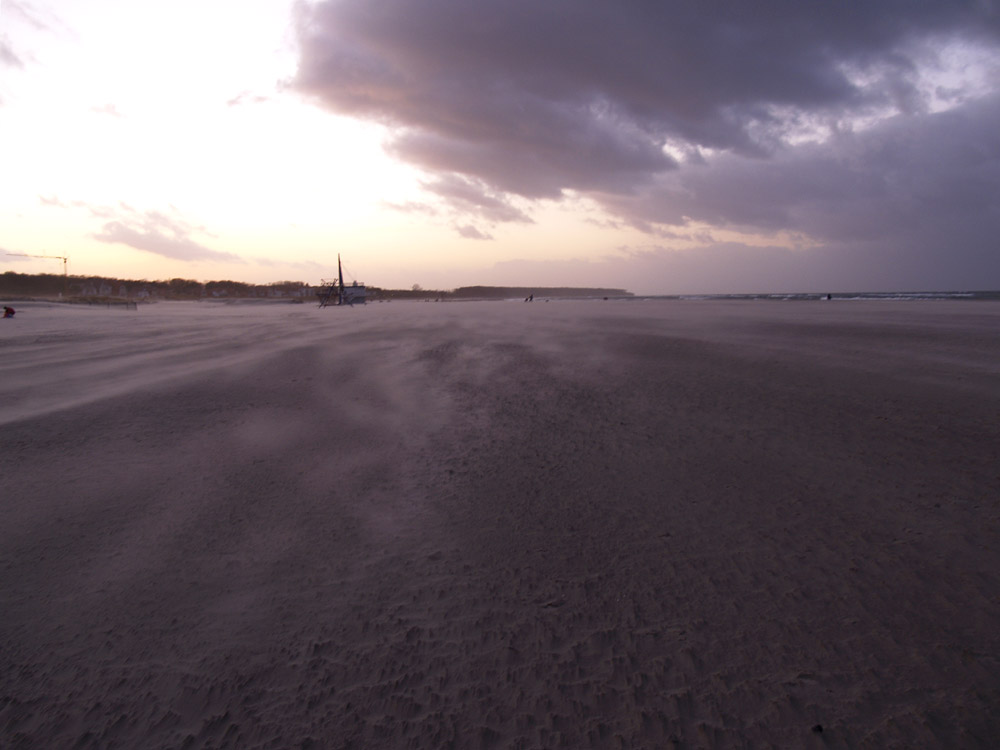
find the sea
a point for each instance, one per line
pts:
(839, 296)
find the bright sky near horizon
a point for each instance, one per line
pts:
(775, 146)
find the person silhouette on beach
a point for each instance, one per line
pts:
(8, 312)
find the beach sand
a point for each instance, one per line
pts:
(567, 524)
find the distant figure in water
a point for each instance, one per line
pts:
(829, 296)
(530, 298)
(8, 312)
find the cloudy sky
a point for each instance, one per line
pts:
(660, 146)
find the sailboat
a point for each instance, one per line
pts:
(336, 293)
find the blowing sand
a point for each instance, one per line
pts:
(574, 524)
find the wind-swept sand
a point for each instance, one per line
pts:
(574, 524)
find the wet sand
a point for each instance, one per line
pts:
(566, 524)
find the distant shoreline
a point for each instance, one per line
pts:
(17, 287)
(76, 288)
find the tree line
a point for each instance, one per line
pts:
(50, 285)
(14, 284)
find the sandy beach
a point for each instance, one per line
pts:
(600, 524)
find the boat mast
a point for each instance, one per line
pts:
(340, 274)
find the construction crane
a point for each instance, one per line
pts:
(63, 258)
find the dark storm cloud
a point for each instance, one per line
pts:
(913, 203)
(754, 116)
(535, 97)
(473, 197)
(930, 183)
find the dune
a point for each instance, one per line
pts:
(614, 524)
